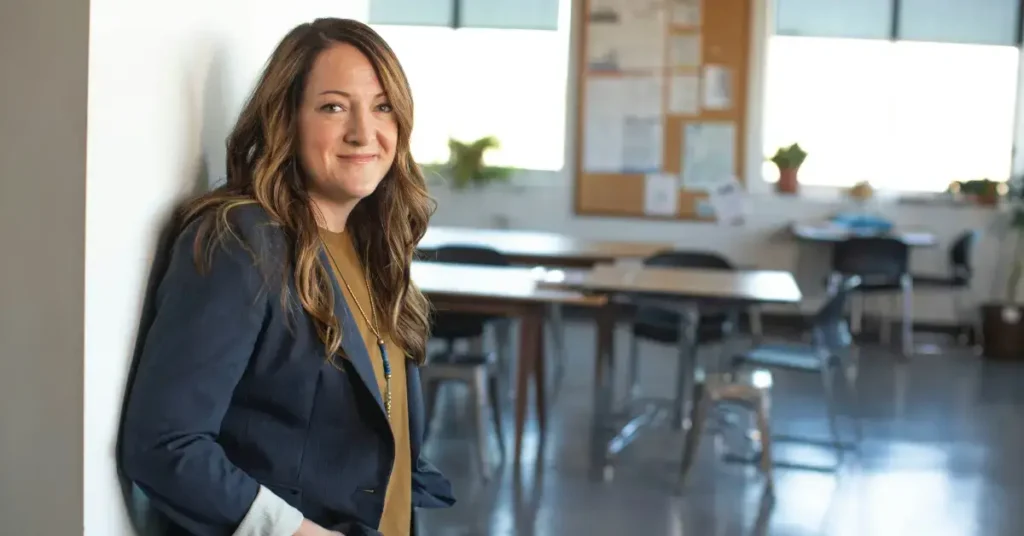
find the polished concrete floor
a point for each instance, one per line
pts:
(943, 454)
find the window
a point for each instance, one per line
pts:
(412, 12)
(902, 115)
(982, 22)
(865, 19)
(474, 82)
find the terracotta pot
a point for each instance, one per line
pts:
(1002, 333)
(987, 199)
(788, 183)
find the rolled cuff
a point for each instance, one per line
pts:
(270, 515)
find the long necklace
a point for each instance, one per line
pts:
(373, 327)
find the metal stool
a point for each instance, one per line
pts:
(478, 372)
(752, 390)
(830, 353)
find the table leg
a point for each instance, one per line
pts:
(604, 369)
(907, 287)
(531, 344)
(687, 367)
(540, 384)
(557, 324)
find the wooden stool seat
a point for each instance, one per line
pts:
(476, 371)
(751, 389)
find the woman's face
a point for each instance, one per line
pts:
(347, 129)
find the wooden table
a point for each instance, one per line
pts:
(828, 232)
(505, 291)
(535, 248)
(683, 289)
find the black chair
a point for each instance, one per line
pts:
(449, 326)
(476, 369)
(958, 278)
(828, 354)
(661, 325)
(882, 264)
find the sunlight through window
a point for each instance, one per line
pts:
(903, 115)
(474, 82)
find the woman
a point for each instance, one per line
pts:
(272, 395)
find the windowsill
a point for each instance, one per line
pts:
(524, 181)
(836, 194)
(520, 181)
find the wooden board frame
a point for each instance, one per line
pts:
(726, 40)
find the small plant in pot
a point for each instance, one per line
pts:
(466, 164)
(788, 159)
(1002, 319)
(983, 192)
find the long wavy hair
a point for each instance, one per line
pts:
(263, 169)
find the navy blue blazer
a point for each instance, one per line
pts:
(232, 391)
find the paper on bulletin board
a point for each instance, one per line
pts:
(603, 135)
(643, 95)
(661, 194)
(729, 200)
(642, 43)
(685, 51)
(717, 87)
(604, 18)
(605, 11)
(684, 94)
(626, 35)
(602, 146)
(602, 48)
(685, 12)
(643, 145)
(623, 130)
(709, 153)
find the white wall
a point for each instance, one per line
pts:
(160, 84)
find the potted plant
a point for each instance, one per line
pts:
(861, 192)
(1002, 319)
(983, 192)
(788, 159)
(466, 164)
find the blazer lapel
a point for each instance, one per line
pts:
(351, 339)
(416, 417)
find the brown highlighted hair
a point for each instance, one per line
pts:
(263, 168)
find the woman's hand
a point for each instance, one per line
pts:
(308, 528)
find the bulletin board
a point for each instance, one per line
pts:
(661, 105)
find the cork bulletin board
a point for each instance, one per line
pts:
(662, 104)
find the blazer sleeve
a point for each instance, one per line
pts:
(201, 339)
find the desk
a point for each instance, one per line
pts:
(682, 289)
(536, 248)
(511, 292)
(825, 231)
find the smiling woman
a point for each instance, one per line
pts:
(277, 392)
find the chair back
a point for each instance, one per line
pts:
(872, 258)
(689, 259)
(960, 266)
(465, 254)
(662, 324)
(829, 327)
(452, 326)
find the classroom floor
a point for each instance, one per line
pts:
(943, 454)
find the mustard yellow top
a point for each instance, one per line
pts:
(397, 517)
